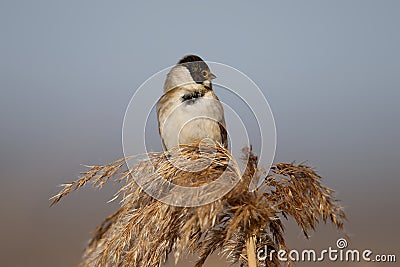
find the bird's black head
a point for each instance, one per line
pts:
(198, 69)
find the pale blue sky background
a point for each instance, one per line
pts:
(329, 69)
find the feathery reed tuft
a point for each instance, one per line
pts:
(145, 231)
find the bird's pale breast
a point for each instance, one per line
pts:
(183, 122)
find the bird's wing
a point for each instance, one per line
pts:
(224, 134)
(164, 105)
(222, 125)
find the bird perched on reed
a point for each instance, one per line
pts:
(189, 109)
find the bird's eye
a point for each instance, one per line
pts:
(204, 73)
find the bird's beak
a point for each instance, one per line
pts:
(211, 76)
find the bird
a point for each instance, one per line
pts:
(189, 109)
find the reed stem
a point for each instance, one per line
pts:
(251, 251)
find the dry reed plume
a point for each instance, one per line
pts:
(145, 231)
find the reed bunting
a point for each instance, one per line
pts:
(189, 110)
